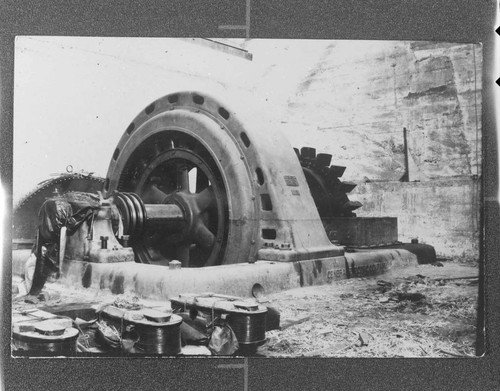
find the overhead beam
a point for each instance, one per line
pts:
(224, 47)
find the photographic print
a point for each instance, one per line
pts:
(189, 197)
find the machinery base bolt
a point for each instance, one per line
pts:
(174, 264)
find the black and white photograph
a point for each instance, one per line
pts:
(272, 198)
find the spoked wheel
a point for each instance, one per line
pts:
(172, 167)
(184, 172)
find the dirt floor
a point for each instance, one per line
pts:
(409, 312)
(420, 311)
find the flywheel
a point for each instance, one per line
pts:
(174, 167)
(179, 151)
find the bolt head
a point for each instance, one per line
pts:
(174, 264)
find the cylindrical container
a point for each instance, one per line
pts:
(35, 343)
(250, 329)
(156, 337)
(248, 326)
(246, 319)
(156, 332)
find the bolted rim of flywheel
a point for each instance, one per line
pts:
(187, 149)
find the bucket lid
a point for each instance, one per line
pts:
(246, 305)
(156, 316)
(69, 333)
(49, 328)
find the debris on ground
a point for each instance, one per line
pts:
(288, 323)
(127, 303)
(31, 299)
(420, 311)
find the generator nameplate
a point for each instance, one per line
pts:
(291, 180)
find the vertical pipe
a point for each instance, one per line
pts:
(406, 176)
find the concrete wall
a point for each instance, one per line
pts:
(442, 212)
(357, 98)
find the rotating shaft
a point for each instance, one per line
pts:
(137, 216)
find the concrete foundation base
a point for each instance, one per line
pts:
(160, 282)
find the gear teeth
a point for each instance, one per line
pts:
(323, 159)
(330, 193)
(351, 205)
(308, 153)
(347, 187)
(337, 171)
(331, 180)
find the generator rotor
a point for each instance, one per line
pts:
(172, 171)
(181, 184)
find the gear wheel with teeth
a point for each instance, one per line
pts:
(328, 191)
